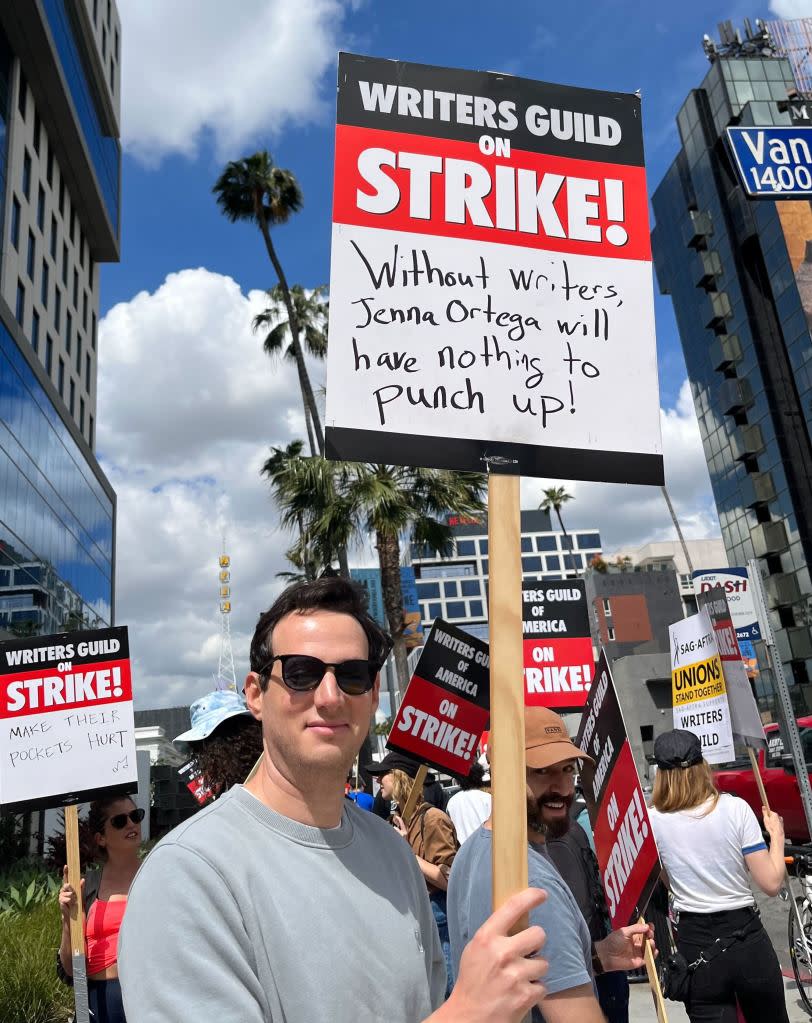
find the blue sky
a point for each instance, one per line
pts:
(170, 221)
(188, 404)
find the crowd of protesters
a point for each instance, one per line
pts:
(261, 905)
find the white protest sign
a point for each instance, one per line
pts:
(66, 719)
(698, 688)
(490, 287)
(744, 715)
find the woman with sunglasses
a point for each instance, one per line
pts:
(115, 825)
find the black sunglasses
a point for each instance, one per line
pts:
(302, 673)
(120, 819)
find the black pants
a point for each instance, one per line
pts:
(748, 972)
(104, 998)
(613, 996)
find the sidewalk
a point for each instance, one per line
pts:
(641, 1006)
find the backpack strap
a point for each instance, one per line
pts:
(723, 944)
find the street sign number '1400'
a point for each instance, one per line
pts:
(774, 161)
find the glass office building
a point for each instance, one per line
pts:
(739, 273)
(59, 215)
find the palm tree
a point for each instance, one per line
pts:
(311, 315)
(391, 501)
(554, 498)
(308, 493)
(256, 190)
(333, 503)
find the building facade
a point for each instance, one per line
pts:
(60, 170)
(735, 270)
(669, 555)
(455, 588)
(631, 609)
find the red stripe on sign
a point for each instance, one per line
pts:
(86, 685)
(624, 841)
(557, 672)
(425, 185)
(438, 728)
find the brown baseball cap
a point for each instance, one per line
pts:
(546, 739)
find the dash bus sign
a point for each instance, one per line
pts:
(445, 708)
(773, 162)
(624, 842)
(66, 719)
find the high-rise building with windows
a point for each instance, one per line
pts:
(455, 588)
(737, 271)
(60, 170)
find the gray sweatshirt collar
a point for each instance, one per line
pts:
(304, 834)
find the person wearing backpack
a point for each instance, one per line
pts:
(711, 847)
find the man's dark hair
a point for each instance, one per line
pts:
(326, 594)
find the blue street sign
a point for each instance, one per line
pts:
(773, 162)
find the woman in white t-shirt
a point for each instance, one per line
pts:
(709, 842)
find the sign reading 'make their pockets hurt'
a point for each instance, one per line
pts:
(66, 719)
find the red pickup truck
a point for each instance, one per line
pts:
(780, 783)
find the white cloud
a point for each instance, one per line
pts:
(188, 406)
(790, 9)
(629, 516)
(232, 69)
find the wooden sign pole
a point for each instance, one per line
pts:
(508, 785)
(77, 916)
(414, 794)
(759, 780)
(654, 980)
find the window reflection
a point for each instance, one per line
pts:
(56, 520)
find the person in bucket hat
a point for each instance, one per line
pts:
(224, 741)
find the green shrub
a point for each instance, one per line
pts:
(26, 886)
(29, 989)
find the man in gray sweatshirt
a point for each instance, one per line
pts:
(282, 901)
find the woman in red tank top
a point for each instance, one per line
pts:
(116, 827)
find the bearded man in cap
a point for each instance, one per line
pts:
(551, 761)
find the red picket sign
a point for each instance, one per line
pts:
(445, 708)
(624, 841)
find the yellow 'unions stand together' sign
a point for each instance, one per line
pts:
(698, 688)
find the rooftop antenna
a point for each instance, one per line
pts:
(226, 676)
